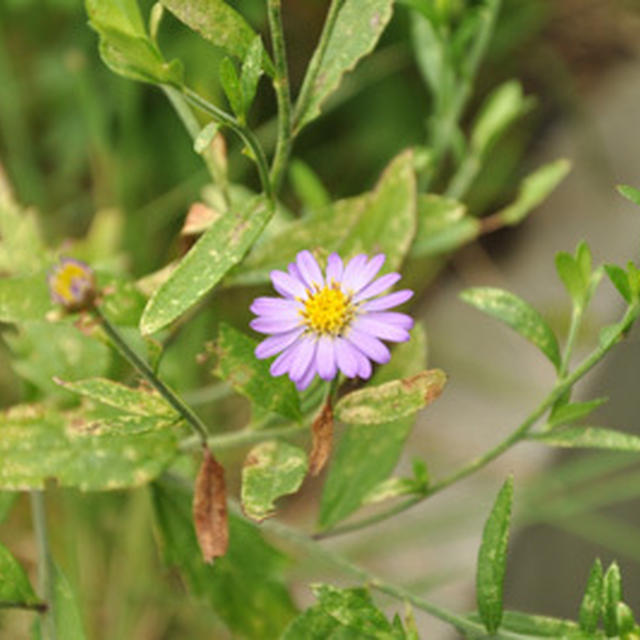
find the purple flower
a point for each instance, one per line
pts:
(72, 284)
(323, 324)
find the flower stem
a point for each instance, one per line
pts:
(45, 564)
(562, 385)
(145, 370)
(281, 86)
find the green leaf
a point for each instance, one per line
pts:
(539, 626)
(245, 587)
(612, 589)
(625, 621)
(68, 620)
(271, 470)
(443, 226)
(575, 411)
(630, 193)
(366, 455)
(81, 450)
(251, 72)
(144, 402)
(249, 376)
(218, 249)
(571, 276)
(231, 84)
(205, 137)
(355, 225)
(534, 190)
(215, 21)
(307, 186)
(392, 488)
(15, 587)
(517, 314)
(356, 31)
(592, 604)
(24, 298)
(492, 559)
(392, 400)
(588, 438)
(620, 280)
(505, 104)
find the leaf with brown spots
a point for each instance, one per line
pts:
(210, 508)
(322, 433)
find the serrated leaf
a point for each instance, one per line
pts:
(143, 402)
(517, 314)
(39, 444)
(15, 587)
(588, 438)
(221, 247)
(612, 591)
(591, 607)
(492, 559)
(251, 72)
(392, 400)
(231, 84)
(568, 413)
(358, 26)
(271, 470)
(366, 455)
(630, 193)
(361, 224)
(534, 190)
(249, 376)
(620, 280)
(245, 587)
(215, 21)
(442, 226)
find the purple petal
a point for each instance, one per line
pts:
(346, 357)
(266, 306)
(369, 345)
(309, 270)
(306, 379)
(377, 286)
(334, 268)
(288, 286)
(283, 362)
(364, 366)
(326, 358)
(271, 324)
(400, 320)
(351, 273)
(388, 301)
(303, 358)
(367, 325)
(274, 344)
(368, 272)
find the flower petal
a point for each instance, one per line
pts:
(351, 274)
(334, 268)
(369, 345)
(274, 344)
(303, 358)
(268, 306)
(400, 320)
(368, 272)
(288, 286)
(326, 358)
(309, 270)
(377, 286)
(364, 366)
(367, 325)
(283, 362)
(307, 378)
(274, 324)
(386, 302)
(346, 357)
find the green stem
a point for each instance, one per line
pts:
(468, 627)
(246, 135)
(281, 86)
(308, 84)
(464, 176)
(562, 386)
(45, 564)
(145, 370)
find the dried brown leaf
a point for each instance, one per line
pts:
(322, 433)
(199, 218)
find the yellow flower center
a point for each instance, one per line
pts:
(65, 278)
(327, 311)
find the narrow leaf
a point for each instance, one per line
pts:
(356, 31)
(249, 376)
(588, 438)
(492, 559)
(307, 186)
(612, 587)
(575, 411)
(517, 314)
(15, 587)
(539, 626)
(571, 275)
(322, 439)
(231, 84)
(271, 470)
(620, 280)
(220, 247)
(251, 72)
(592, 603)
(630, 193)
(392, 400)
(210, 509)
(391, 488)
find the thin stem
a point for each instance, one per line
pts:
(281, 86)
(308, 84)
(562, 386)
(576, 320)
(45, 564)
(246, 135)
(40, 607)
(145, 370)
